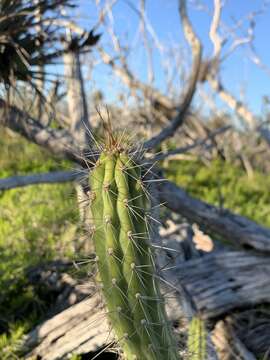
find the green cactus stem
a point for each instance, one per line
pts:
(124, 258)
(197, 339)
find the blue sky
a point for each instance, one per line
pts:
(239, 74)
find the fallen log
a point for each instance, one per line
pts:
(80, 329)
(217, 284)
(253, 328)
(228, 344)
(221, 282)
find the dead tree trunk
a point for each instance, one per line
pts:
(76, 98)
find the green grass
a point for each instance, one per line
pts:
(37, 223)
(20, 157)
(226, 185)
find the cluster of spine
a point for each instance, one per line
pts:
(197, 339)
(119, 205)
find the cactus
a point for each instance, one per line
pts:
(119, 205)
(197, 339)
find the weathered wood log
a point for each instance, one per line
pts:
(76, 323)
(253, 328)
(221, 282)
(228, 344)
(80, 329)
(225, 343)
(42, 178)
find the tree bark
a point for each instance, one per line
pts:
(76, 97)
(58, 142)
(224, 281)
(42, 178)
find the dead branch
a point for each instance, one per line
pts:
(213, 77)
(196, 49)
(195, 144)
(237, 106)
(59, 142)
(129, 79)
(213, 33)
(147, 46)
(41, 178)
(119, 62)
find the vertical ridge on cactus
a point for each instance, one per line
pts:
(124, 257)
(197, 339)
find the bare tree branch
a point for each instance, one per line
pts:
(196, 48)
(197, 143)
(257, 60)
(41, 178)
(128, 78)
(214, 80)
(148, 49)
(59, 142)
(213, 33)
(119, 62)
(237, 106)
